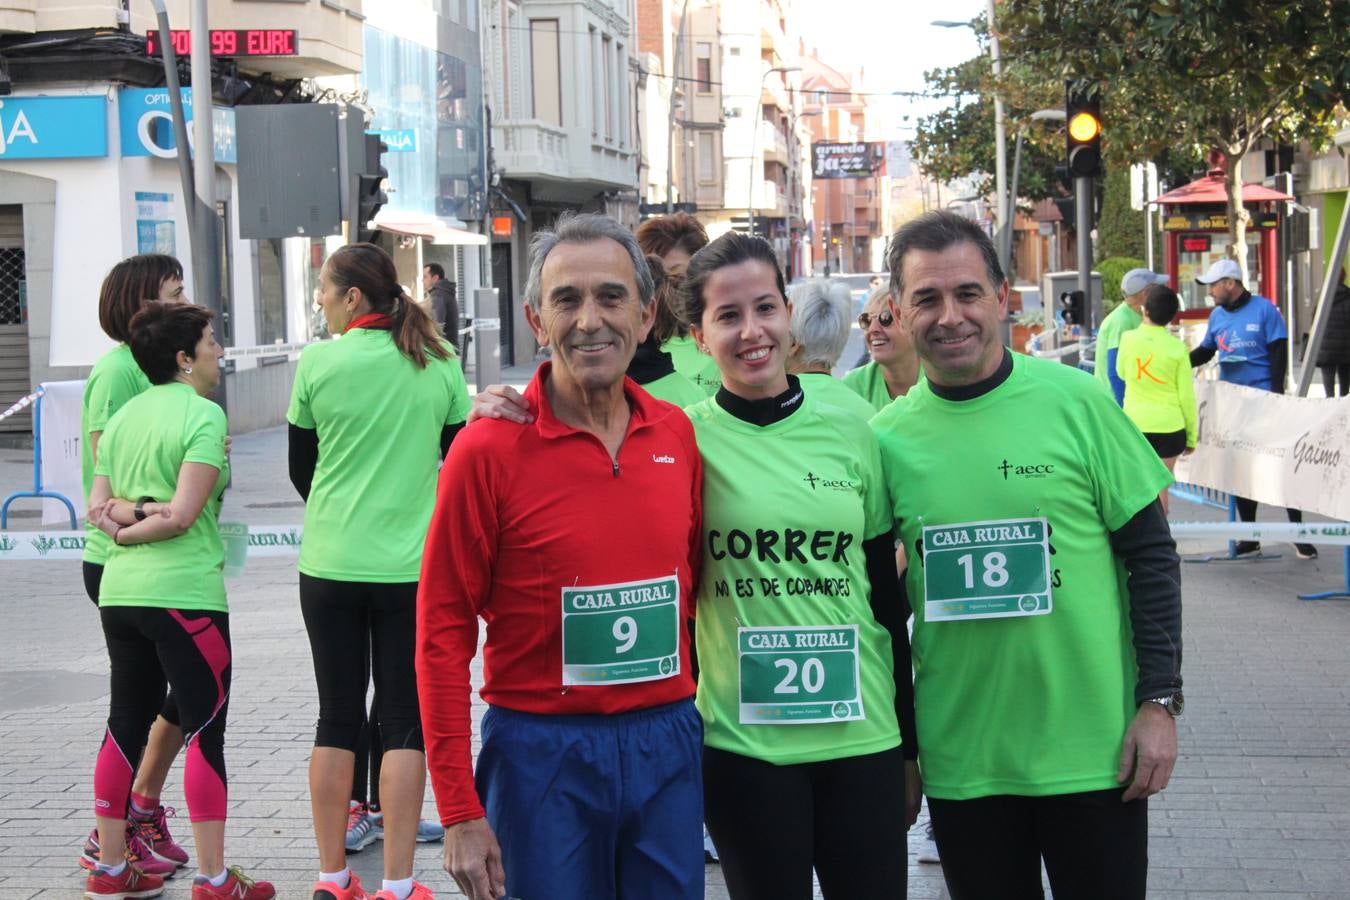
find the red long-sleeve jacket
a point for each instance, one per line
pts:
(521, 513)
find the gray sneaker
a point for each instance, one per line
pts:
(928, 851)
(360, 829)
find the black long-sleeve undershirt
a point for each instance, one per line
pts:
(1146, 547)
(890, 607)
(303, 454)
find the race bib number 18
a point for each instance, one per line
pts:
(621, 633)
(986, 570)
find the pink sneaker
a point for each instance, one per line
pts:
(419, 892)
(137, 851)
(155, 832)
(132, 883)
(237, 886)
(327, 890)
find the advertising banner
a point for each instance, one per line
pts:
(145, 121)
(61, 404)
(851, 160)
(53, 127)
(1285, 451)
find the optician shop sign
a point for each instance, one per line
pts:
(146, 125)
(53, 127)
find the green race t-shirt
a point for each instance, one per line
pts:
(833, 392)
(1036, 702)
(379, 419)
(869, 382)
(675, 388)
(1121, 319)
(694, 364)
(141, 452)
(113, 381)
(792, 665)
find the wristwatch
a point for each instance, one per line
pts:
(1174, 703)
(140, 507)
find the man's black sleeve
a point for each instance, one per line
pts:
(303, 456)
(1279, 360)
(448, 437)
(1201, 355)
(1145, 545)
(890, 607)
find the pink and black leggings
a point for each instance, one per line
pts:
(190, 649)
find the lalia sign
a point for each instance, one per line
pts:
(146, 125)
(53, 127)
(398, 140)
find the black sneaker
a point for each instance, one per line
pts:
(1247, 548)
(1305, 551)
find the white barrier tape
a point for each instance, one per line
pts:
(1277, 532)
(21, 404)
(263, 350)
(264, 542)
(1063, 351)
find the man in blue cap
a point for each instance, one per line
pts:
(1125, 317)
(1248, 334)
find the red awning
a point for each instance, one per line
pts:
(1210, 189)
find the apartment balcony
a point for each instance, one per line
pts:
(771, 200)
(774, 144)
(18, 16)
(529, 149)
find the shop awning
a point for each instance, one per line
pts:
(434, 230)
(1211, 189)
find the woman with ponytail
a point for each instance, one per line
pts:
(371, 415)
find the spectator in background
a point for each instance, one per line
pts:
(444, 304)
(821, 311)
(1333, 358)
(1155, 368)
(674, 239)
(894, 368)
(1249, 336)
(1125, 317)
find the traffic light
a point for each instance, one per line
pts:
(370, 195)
(1083, 110)
(1074, 305)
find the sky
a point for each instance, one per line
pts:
(893, 41)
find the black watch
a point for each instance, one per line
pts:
(140, 507)
(1174, 703)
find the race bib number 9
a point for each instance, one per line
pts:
(986, 570)
(799, 676)
(621, 633)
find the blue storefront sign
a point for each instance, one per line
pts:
(53, 127)
(145, 121)
(397, 140)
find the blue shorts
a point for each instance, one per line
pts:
(596, 807)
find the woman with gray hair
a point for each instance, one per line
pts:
(821, 311)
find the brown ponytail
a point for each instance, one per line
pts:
(371, 271)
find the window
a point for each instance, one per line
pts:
(546, 69)
(707, 157)
(703, 68)
(607, 46)
(270, 307)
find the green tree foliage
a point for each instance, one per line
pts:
(1120, 229)
(1196, 74)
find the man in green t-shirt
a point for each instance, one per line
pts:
(1128, 316)
(1045, 587)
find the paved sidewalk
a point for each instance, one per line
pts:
(1259, 806)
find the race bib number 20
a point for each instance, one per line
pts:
(986, 570)
(799, 675)
(621, 633)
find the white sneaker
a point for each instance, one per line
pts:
(928, 851)
(709, 851)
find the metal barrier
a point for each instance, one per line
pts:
(37, 492)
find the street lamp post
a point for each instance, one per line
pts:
(754, 134)
(1003, 203)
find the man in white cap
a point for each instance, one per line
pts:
(1248, 334)
(1125, 317)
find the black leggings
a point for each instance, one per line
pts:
(1246, 510)
(93, 579)
(191, 650)
(369, 755)
(356, 630)
(773, 824)
(1094, 846)
(1330, 375)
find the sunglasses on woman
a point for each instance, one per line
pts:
(884, 318)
